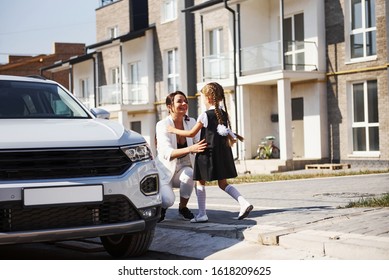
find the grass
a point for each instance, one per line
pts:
(382, 201)
(285, 176)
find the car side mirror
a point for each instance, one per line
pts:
(100, 113)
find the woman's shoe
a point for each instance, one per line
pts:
(200, 219)
(245, 212)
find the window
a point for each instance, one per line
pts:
(172, 71)
(169, 10)
(294, 42)
(136, 126)
(216, 65)
(215, 41)
(112, 32)
(107, 2)
(135, 89)
(362, 29)
(365, 126)
(115, 75)
(84, 88)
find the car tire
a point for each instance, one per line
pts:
(128, 245)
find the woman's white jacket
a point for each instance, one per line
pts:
(166, 143)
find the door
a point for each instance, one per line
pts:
(298, 127)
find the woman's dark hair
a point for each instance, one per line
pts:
(170, 100)
(170, 97)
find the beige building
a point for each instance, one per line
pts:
(310, 73)
(357, 87)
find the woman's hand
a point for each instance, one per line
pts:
(199, 147)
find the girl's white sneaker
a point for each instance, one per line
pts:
(200, 219)
(245, 212)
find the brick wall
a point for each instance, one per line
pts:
(342, 73)
(109, 16)
(28, 65)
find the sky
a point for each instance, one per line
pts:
(29, 27)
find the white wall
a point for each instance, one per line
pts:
(315, 119)
(84, 71)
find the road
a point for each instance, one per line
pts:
(90, 249)
(291, 199)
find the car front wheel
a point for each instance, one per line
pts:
(128, 245)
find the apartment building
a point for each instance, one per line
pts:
(311, 73)
(270, 58)
(357, 88)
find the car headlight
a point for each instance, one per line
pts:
(138, 153)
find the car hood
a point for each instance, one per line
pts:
(64, 133)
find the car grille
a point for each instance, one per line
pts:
(114, 209)
(66, 163)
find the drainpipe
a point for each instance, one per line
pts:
(235, 75)
(121, 73)
(95, 91)
(282, 46)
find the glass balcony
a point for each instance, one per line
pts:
(218, 66)
(109, 95)
(299, 56)
(133, 94)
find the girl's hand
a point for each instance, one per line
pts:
(170, 129)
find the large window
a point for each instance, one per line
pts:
(115, 78)
(172, 71)
(363, 29)
(365, 126)
(215, 41)
(169, 10)
(217, 62)
(135, 89)
(294, 42)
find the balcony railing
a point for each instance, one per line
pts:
(133, 94)
(266, 57)
(218, 66)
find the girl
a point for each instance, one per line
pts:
(216, 162)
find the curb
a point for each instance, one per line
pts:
(339, 245)
(213, 229)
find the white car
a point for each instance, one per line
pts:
(67, 174)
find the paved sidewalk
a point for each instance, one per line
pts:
(302, 224)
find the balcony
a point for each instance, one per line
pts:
(299, 56)
(133, 94)
(220, 66)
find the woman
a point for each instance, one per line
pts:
(175, 155)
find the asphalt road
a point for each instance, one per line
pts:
(90, 249)
(268, 199)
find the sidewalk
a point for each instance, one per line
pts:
(313, 231)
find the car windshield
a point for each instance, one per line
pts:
(22, 100)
